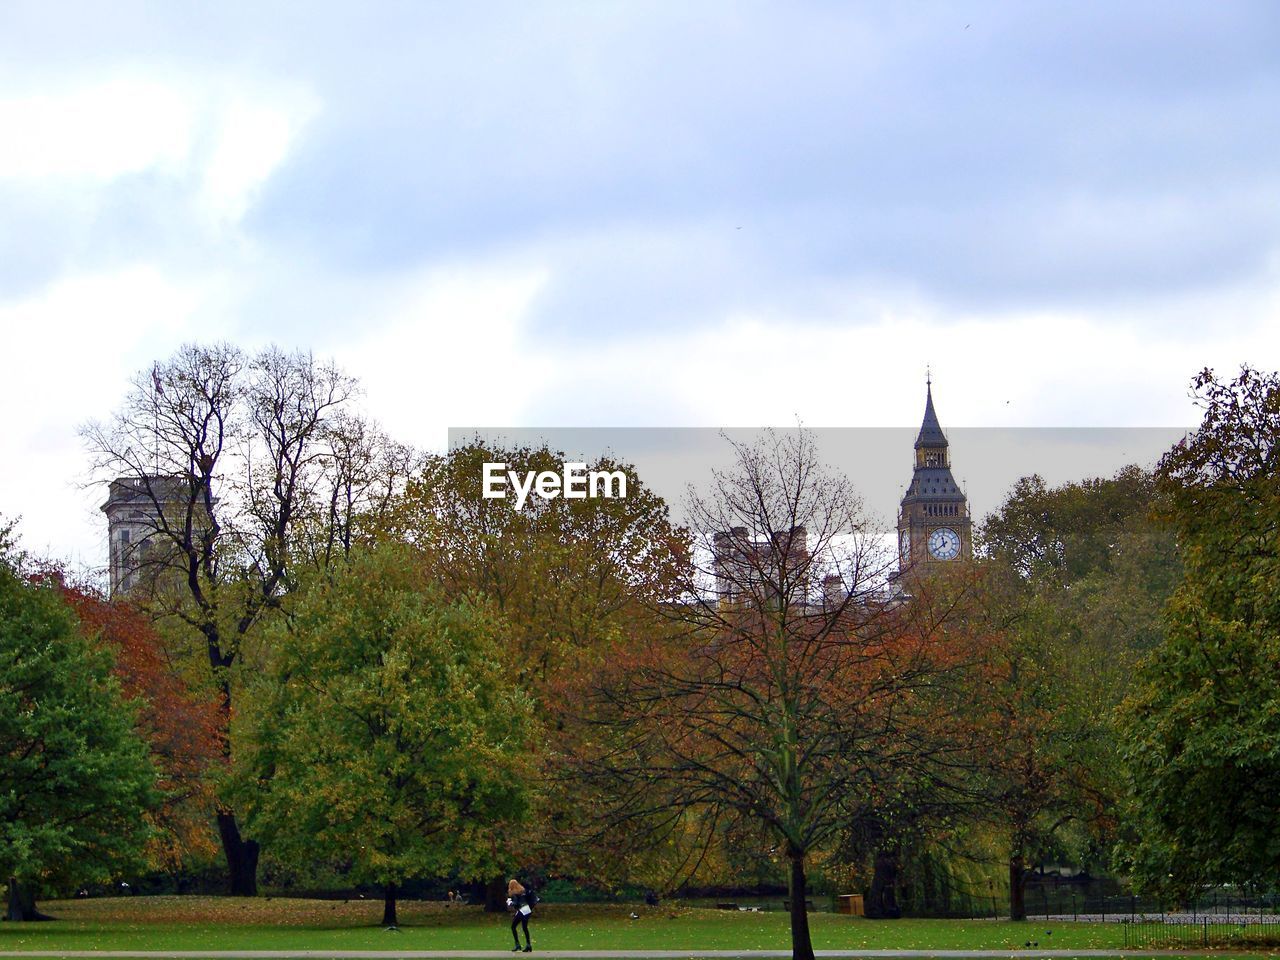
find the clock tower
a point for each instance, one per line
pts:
(934, 526)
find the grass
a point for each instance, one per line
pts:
(230, 923)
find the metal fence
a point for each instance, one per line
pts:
(1178, 931)
(1218, 907)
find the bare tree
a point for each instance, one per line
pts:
(364, 472)
(791, 684)
(225, 461)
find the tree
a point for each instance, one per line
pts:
(1079, 574)
(1046, 728)
(564, 572)
(390, 735)
(76, 780)
(1203, 725)
(786, 683)
(916, 825)
(572, 578)
(247, 469)
(181, 726)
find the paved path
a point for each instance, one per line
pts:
(582, 954)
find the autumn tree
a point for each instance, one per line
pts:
(180, 725)
(573, 579)
(76, 780)
(240, 468)
(919, 817)
(1202, 728)
(786, 684)
(1079, 575)
(389, 734)
(564, 572)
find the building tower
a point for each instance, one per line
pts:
(747, 569)
(135, 507)
(933, 520)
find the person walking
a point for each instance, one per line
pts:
(522, 901)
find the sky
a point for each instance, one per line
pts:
(634, 214)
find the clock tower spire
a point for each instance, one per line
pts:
(934, 525)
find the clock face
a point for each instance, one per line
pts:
(944, 544)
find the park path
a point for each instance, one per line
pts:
(578, 954)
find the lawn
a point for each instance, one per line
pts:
(228, 923)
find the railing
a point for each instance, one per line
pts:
(1181, 931)
(1220, 909)
(1070, 904)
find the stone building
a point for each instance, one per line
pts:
(934, 526)
(138, 510)
(744, 566)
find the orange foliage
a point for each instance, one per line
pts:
(181, 725)
(880, 706)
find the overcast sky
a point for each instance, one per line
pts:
(661, 214)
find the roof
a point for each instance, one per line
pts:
(930, 434)
(934, 485)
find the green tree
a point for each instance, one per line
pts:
(1045, 764)
(575, 580)
(246, 471)
(76, 779)
(390, 735)
(1080, 573)
(565, 573)
(1203, 726)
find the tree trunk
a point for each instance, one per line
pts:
(22, 903)
(801, 945)
(242, 857)
(1017, 888)
(389, 905)
(495, 896)
(882, 899)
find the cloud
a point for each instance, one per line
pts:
(450, 346)
(676, 164)
(1044, 369)
(69, 352)
(192, 129)
(136, 166)
(251, 138)
(644, 212)
(95, 132)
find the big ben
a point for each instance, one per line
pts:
(934, 526)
